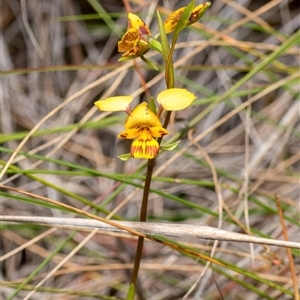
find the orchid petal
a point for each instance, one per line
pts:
(198, 12)
(135, 22)
(173, 19)
(175, 99)
(158, 131)
(134, 52)
(130, 133)
(141, 116)
(119, 103)
(144, 149)
(129, 40)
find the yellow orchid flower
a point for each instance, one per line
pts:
(143, 125)
(135, 40)
(172, 20)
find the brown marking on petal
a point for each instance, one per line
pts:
(151, 151)
(129, 24)
(129, 40)
(132, 36)
(135, 51)
(125, 45)
(163, 132)
(173, 19)
(198, 12)
(136, 150)
(144, 30)
(176, 17)
(193, 16)
(123, 135)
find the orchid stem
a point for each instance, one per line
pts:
(143, 218)
(143, 212)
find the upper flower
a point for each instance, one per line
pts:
(173, 19)
(142, 124)
(135, 40)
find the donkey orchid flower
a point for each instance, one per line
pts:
(135, 40)
(142, 124)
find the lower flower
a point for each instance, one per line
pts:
(143, 126)
(144, 144)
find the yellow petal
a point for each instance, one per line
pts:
(175, 99)
(158, 131)
(141, 116)
(129, 134)
(118, 103)
(135, 22)
(129, 40)
(145, 134)
(172, 20)
(144, 149)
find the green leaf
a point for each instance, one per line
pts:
(165, 47)
(126, 58)
(152, 105)
(43, 132)
(169, 147)
(154, 44)
(106, 17)
(149, 62)
(125, 156)
(166, 53)
(131, 292)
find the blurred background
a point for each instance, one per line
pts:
(60, 57)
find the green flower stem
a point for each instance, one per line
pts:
(143, 212)
(143, 218)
